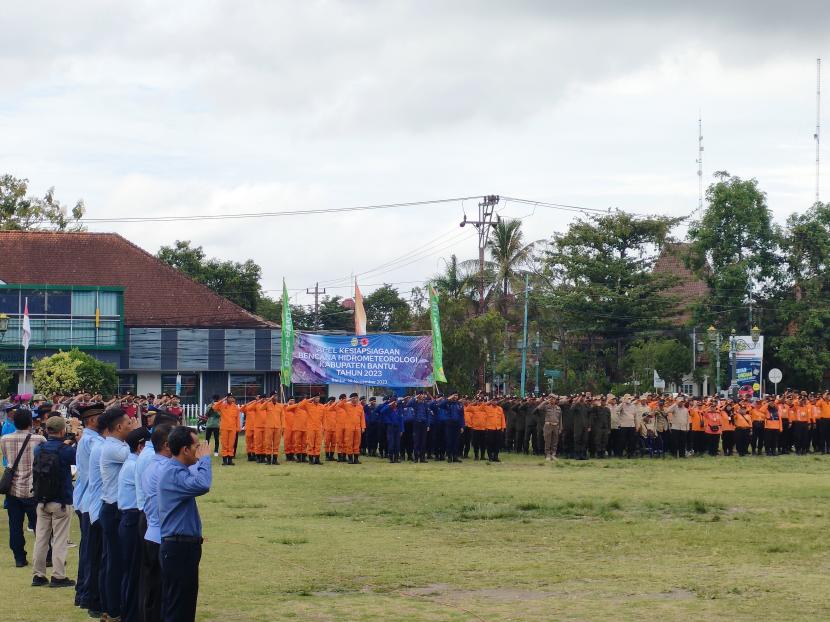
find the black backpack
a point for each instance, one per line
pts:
(47, 482)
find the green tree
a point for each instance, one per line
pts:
(238, 282)
(6, 377)
(734, 248)
(74, 371)
(669, 357)
(454, 282)
(334, 316)
(21, 212)
(598, 291)
(386, 311)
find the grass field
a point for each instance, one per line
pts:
(522, 540)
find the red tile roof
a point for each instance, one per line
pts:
(690, 289)
(154, 293)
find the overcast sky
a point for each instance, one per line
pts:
(196, 107)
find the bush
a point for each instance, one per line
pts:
(74, 371)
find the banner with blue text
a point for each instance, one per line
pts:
(377, 360)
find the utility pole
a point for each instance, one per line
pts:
(699, 163)
(538, 361)
(486, 209)
(524, 340)
(317, 291)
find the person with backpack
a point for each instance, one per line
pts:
(52, 488)
(18, 450)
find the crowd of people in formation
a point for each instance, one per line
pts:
(425, 427)
(136, 479)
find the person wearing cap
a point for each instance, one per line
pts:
(87, 593)
(314, 429)
(454, 427)
(54, 508)
(356, 423)
(421, 425)
(274, 415)
(551, 412)
(20, 503)
(330, 428)
(228, 427)
(129, 525)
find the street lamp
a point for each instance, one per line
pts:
(4, 325)
(756, 334)
(714, 340)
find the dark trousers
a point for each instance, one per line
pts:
(521, 441)
(382, 440)
(478, 440)
(214, 432)
(466, 440)
(179, 580)
(699, 438)
(451, 431)
(419, 439)
(149, 599)
(113, 568)
(627, 442)
(612, 442)
(130, 539)
(678, 443)
(437, 438)
(771, 441)
(728, 438)
(712, 442)
(83, 545)
(19, 509)
(801, 436)
(742, 441)
(785, 438)
(406, 439)
(493, 440)
(393, 441)
(757, 437)
(823, 428)
(94, 563)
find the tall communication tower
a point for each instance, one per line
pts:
(817, 135)
(699, 163)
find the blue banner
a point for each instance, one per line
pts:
(748, 378)
(377, 360)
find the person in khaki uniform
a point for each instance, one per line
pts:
(551, 414)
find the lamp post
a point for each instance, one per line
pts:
(733, 358)
(715, 341)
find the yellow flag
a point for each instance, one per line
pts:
(97, 317)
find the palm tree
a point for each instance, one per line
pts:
(508, 253)
(455, 281)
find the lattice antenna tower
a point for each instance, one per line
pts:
(699, 163)
(817, 135)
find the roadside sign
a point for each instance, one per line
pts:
(554, 374)
(775, 376)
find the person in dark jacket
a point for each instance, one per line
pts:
(54, 511)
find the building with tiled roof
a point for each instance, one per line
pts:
(105, 295)
(690, 289)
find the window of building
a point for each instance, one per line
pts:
(127, 383)
(689, 389)
(245, 387)
(189, 393)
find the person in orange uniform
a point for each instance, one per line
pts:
(228, 427)
(354, 432)
(727, 418)
(743, 428)
(477, 423)
(289, 411)
(800, 416)
(711, 427)
(697, 427)
(250, 410)
(330, 429)
(494, 425)
(341, 426)
(772, 429)
(300, 424)
(758, 413)
(272, 433)
(314, 428)
(259, 429)
(823, 423)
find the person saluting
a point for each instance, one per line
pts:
(184, 477)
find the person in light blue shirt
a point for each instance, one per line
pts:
(129, 536)
(144, 460)
(91, 506)
(114, 453)
(188, 475)
(150, 583)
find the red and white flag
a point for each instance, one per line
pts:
(26, 335)
(359, 312)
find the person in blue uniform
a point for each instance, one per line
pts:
(393, 424)
(440, 418)
(420, 426)
(186, 476)
(453, 427)
(408, 412)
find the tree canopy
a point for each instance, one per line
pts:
(19, 211)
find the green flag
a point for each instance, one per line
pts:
(287, 352)
(437, 346)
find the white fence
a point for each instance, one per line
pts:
(190, 414)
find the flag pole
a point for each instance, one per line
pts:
(25, 342)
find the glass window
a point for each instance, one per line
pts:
(58, 303)
(189, 393)
(83, 303)
(108, 333)
(127, 384)
(245, 387)
(9, 301)
(83, 333)
(59, 332)
(37, 302)
(108, 303)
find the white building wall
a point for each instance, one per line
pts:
(148, 382)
